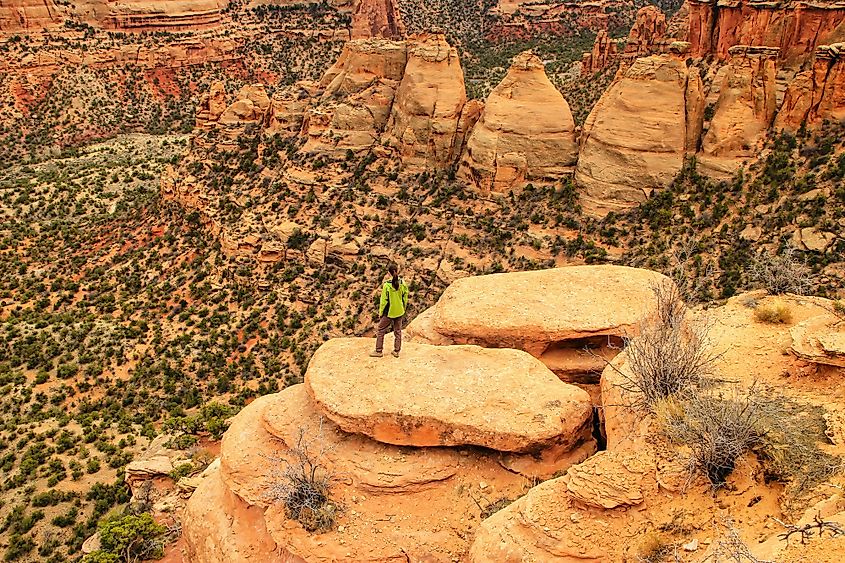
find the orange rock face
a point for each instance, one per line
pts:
(744, 111)
(377, 18)
(795, 28)
(649, 29)
(29, 15)
(604, 51)
(817, 93)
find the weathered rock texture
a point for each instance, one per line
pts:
(159, 15)
(358, 94)
(820, 340)
(211, 106)
(636, 136)
(536, 311)
(648, 31)
(377, 18)
(29, 15)
(500, 399)
(250, 106)
(399, 503)
(428, 103)
(744, 111)
(817, 93)
(796, 28)
(525, 132)
(603, 53)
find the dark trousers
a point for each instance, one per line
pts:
(384, 326)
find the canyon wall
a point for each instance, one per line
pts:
(28, 15)
(796, 28)
(816, 93)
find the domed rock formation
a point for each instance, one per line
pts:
(428, 103)
(744, 111)
(817, 93)
(500, 399)
(526, 132)
(635, 138)
(377, 18)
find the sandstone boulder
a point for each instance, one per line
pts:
(211, 105)
(820, 339)
(428, 103)
(609, 479)
(818, 93)
(451, 395)
(250, 106)
(532, 310)
(636, 136)
(525, 132)
(744, 111)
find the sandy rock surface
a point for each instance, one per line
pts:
(501, 399)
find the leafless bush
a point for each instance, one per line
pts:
(730, 548)
(783, 273)
(718, 428)
(305, 483)
(670, 355)
(806, 531)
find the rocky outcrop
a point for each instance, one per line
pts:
(158, 15)
(571, 318)
(500, 399)
(427, 107)
(399, 503)
(817, 93)
(287, 108)
(358, 92)
(250, 106)
(603, 53)
(796, 28)
(377, 18)
(635, 138)
(820, 340)
(648, 31)
(30, 15)
(744, 111)
(211, 106)
(525, 133)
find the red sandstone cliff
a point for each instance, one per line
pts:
(816, 93)
(797, 28)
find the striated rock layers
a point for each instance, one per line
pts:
(377, 18)
(636, 136)
(816, 93)
(525, 132)
(744, 111)
(603, 54)
(30, 15)
(424, 120)
(795, 27)
(161, 15)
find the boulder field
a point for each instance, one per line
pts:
(426, 450)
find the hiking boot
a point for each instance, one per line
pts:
(395, 354)
(376, 354)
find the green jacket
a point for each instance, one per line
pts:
(393, 301)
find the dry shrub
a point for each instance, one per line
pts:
(773, 313)
(654, 547)
(670, 355)
(304, 485)
(718, 428)
(783, 273)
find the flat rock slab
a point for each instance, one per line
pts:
(529, 310)
(820, 340)
(446, 396)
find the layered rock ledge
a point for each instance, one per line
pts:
(500, 399)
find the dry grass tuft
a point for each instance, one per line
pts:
(773, 313)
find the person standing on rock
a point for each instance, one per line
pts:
(391, 309)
